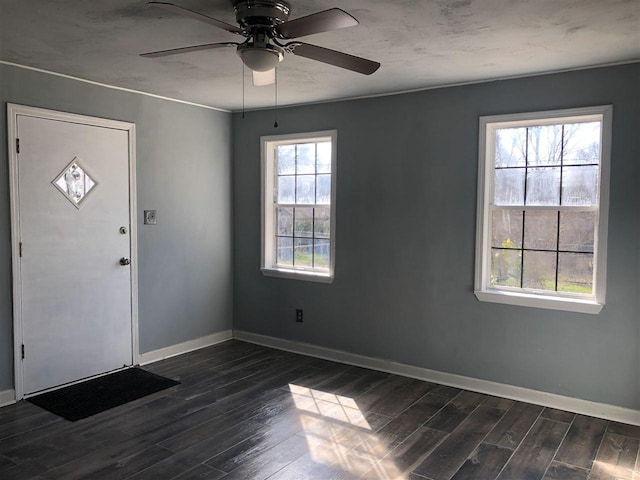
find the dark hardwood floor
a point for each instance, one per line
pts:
(247, 412)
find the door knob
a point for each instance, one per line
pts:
(124, 261)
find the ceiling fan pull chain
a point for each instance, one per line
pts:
(275, 124)
(243, 75)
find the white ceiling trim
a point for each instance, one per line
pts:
(113, 87)
(347, 99)
(448, 85)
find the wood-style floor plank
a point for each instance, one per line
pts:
(616, 458)
(557, 415)
(581, 444)
(446, 391)
(201, 472)
(18, 411)
(393, 396)
(443, 463)
(270, 461)
(560, 471)
(264, 438)
(513, 427)
(362, 383)
(408, 455)
(244, 411)
(625, 430)
(456, 411)
(5, 463)
(398, 429)
(533, 456)
(169, 467)
(26, 424)
(213, 442)
(125, 467)
(498, 402)
(96, 460)
(24, 471)
(485, 462)
(56, 450)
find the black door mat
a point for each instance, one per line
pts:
(99, 394)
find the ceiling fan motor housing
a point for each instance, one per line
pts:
(252, 14)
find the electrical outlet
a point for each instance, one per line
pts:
(299, 315)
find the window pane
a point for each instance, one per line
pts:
(541, 230)
(321, 254)
(577, 230)
(286, 186)
(580, 185)
(575, 272)
(286, 157)
(303, 222)
(284, 251)
(509, 187)
(539, 270)
(324, 157)
(285, 221)
(505, 267)
(581, 143)
(305, 189)
(323, 189)
(544, 145)
(306, 162)
(511, 147)
(303, 252)
(506, 226)
(321, 222)
(543, 186)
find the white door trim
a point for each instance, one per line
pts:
(13, 111)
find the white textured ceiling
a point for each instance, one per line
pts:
(420, 43)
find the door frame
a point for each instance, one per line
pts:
(13, 111)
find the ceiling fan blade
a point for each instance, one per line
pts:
(260, 79)
(198, 16)
(333, 57)
(324, 21)
(195, 48)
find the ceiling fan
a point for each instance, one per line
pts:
(266, 26)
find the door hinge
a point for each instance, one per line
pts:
(20, 249)
(23, 351)
(17, 145)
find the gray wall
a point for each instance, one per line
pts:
(406, 208)
(184, 170)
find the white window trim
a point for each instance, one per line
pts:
(556, 301)
(267, 262)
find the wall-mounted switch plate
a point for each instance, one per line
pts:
(150, 217)
(299, 315)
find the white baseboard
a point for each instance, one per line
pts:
(576, 405)
(7, 397)
(179, 348)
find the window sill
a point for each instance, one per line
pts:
(540, 301)
(297, 275)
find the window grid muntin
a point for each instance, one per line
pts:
(296, 205)
(524, 208)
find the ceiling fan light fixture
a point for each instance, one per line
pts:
(260, 59)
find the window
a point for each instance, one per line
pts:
(542, 209)
(298, 206)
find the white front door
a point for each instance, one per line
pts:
(74, 229)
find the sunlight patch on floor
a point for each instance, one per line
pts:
(339, 435)
(612, 472)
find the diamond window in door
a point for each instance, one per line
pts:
(75, 183)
